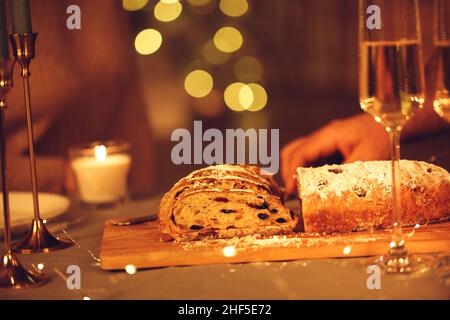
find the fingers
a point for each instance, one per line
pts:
(293, 162)
(286, 163)
(371, 149)
(306, 150)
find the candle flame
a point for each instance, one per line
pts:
(100, 153)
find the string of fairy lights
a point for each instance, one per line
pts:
(245, 93)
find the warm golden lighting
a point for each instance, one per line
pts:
(233, 8)
(148, 41)
(130, 269)
(40, 266)
(133, 5)
(212, 55)
(169, 1)
(167, 12)
(211, 105)
(100, 153)
(259, 97)
(198, 2)
(229, 251)
(228, 39)
(231, 96)
(246, 97)
(347, 250)
(248, 69)
(86, 298)
(198, 83)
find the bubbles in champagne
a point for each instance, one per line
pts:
(442, 73)
(391, 87)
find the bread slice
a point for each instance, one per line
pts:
(358, 196)
(222, 202)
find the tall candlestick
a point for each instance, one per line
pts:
(12, 273)
(21, 16)
(4, 43)
(39, 239)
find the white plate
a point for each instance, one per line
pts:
(21, 207)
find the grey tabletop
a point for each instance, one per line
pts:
(305, 279)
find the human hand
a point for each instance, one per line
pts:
(356, 138)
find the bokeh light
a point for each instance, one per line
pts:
(133, 5)
(148, 41)
(167, 12)
(233, 8)
(239, 96)
(229, 251)
(347, 250)
(246, 97)
(228, 39)
(248, 69)
(214, 56)
(130, 269)
(231, 96)
(170, 1)
(259, 97)
(198, 83)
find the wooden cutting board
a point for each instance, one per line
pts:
(140, 245)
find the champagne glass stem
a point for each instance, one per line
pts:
(397, 237)
(397, 259)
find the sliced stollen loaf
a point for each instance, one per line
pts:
(224, 201)
(357, 196)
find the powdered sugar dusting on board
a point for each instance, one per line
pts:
(257, 241)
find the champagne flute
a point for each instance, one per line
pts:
(391, 86)
(441, 65)
(441, 69)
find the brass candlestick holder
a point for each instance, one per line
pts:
(39, 239)
(12, 273)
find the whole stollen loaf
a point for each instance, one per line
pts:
(224, 201)
(358, 196)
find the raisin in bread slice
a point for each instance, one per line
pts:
(358, 196)
(224, 201)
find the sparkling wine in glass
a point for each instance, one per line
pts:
(441, 63)
(441, 71)
(391, 86)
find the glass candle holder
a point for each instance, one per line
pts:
(101, 171)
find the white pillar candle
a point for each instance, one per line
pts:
(102, 178)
